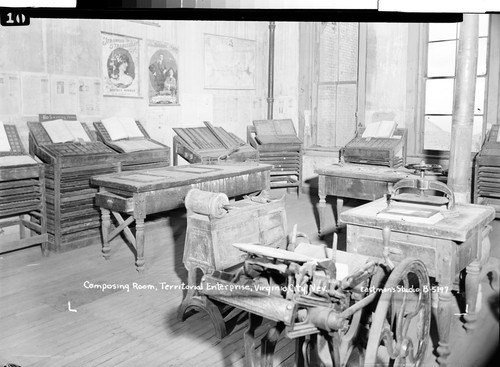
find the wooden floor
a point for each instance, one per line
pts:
(138, 327)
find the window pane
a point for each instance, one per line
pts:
(327, 103)
(477, 131)
(442, 31)
(437, 132)
(483, 24)
(479, 97)
(481, 56)
(439, 96)
(328, 53)
(441, 59)
(346, 113)
(348, 51)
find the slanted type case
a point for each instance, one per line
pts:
(383, 147)
(129, 138)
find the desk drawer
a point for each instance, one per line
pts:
(368, 241)
(356, 188)
(114, 202)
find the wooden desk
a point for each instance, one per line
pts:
(447, 247)
(139, 193)
(357, 181)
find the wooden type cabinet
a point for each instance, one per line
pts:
(278, 144)
(487, 172)
(73, 220)
(22, 204)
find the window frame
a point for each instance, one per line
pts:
(416, 142)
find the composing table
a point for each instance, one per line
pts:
(140, 193)
(357, 181)
(447, 247)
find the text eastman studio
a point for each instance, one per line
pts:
(402, 289)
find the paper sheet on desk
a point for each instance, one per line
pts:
(414, 213)
(136, 145)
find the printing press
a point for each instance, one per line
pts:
(331, 302)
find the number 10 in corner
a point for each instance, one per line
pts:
(14, 18)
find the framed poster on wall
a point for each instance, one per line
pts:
(163, 86)
(120, 65)
(229, 62)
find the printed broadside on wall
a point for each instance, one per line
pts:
(163, 86)
(120, 61)
(229, 62)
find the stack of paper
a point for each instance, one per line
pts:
(4, 140)
(63, 131)
(122, 128)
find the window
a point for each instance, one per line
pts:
(442, 48)
(332, 73)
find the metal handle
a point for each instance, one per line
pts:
(386, 238)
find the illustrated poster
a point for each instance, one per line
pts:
(163, 86)
(120, 61)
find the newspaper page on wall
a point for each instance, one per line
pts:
(10, 94)
(63, 94)
(35, 90)
(120, 61)
(90, 96)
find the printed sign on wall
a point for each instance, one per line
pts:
(120, 61)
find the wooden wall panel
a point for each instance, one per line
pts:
(72, 48)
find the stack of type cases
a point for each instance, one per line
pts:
(487, 172)
(278, 144)
(73, 220)
(207, 144)
(21, 196)
(142, 159)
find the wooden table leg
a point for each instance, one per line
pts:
(444, 323)
(471, 291)
(322, 204)
(105, 225)
(321, 212)
(139, 243)
(339, 206)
